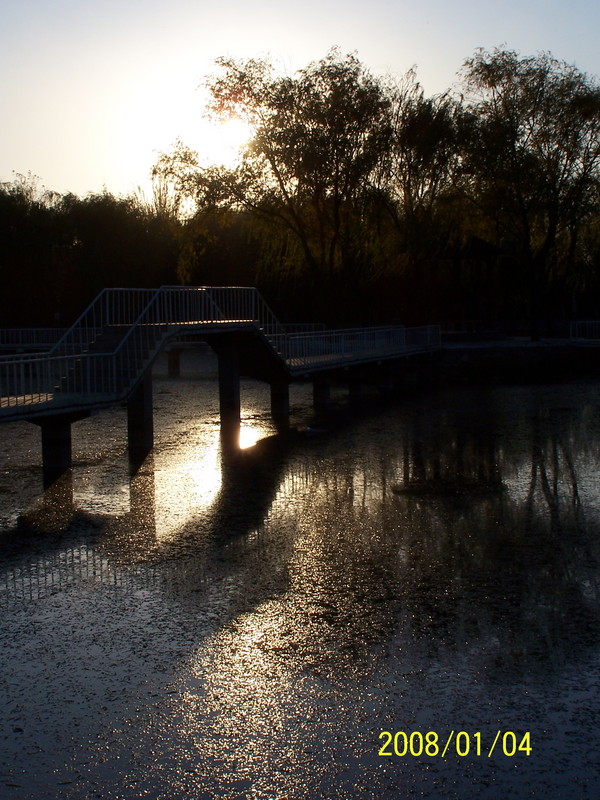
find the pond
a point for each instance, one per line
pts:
(401, 601)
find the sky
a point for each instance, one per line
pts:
(91, 91)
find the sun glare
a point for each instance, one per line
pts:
(249, 436)
(222, 143)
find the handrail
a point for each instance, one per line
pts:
(307, 348)
(245, 303)
(112, 307)
(101, 356)
(43, 338)
(77, 324)
(585, 329)
(145, 336)
(113, 372)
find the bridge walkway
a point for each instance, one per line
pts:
(104, 359)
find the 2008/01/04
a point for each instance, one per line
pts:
(416, 744)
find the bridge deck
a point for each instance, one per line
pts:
(101, 359)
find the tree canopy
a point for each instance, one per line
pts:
(318, 138)
(531, 155)
(357, 199)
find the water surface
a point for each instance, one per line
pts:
(246, 626)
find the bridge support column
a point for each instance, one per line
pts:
(229, 387)
(386, 379)
(356, 386)
(57, 456)
(174, 362)
(140, 423)
(321, 393)
(280, 400)
(56, 448)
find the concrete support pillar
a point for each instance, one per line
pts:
(356, 386)
(56, 447)
(140, 423)
(229, 387)
(386, 381)
(280, 400)
(321, 392)
(174, 362)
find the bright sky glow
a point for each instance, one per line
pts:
(93, 90)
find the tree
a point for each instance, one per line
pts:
(32, 236)
(531, 158)
(318, 139)
(422, 159)
(57, 252)
(117, 242)
(415, 182)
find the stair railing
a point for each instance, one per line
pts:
(170, 307)
(112, 307)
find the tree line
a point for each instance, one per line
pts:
(357, 199)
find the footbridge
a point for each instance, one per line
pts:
(105, 358)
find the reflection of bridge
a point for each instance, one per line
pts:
(104, 359)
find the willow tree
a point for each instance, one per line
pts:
(318, 138)
(422, 159)
(531, 158)
(416, 183)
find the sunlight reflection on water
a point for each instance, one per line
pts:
(186, 482)
(250, 435)
(245, 625)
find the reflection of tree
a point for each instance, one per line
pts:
(552, 466)
(350, 568)
(501, 568)
(445, 461)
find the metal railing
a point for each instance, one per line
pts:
(589, 329)
(116, 308)
(29, 338)
(303, 327)
(112, 347)
(100, 358)
(245, 304)
(426, 336)
(171, 307)
(307, 349)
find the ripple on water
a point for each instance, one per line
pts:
(247, 627)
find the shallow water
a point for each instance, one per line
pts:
(246, 626)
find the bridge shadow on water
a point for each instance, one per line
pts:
(424, 520)
(412, 562)
(127, 548)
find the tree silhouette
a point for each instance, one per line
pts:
(318, 138)
(531, 157)
(357, 200)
